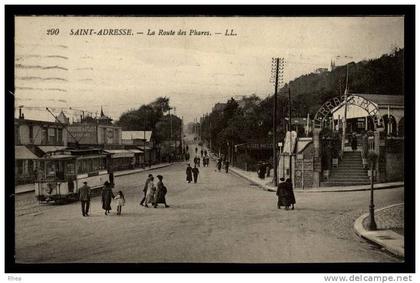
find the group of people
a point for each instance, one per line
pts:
(107, 197)
(154, 194)
(286, 196)
(263, 169)
(225, 164)
(192, 172)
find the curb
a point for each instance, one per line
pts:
(142, 170)
(380, 186)
(375, 237)
(115, 175)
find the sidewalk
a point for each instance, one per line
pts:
(390, 232)
(31, 187)
(266, 184)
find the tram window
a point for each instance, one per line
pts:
(70, 168)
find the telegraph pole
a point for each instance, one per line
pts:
(276, 78)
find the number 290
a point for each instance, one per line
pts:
(53, 31)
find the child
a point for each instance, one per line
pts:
(120, 201)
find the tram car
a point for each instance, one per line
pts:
(61, 173)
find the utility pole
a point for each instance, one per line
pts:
(343, 140)
(170, 139)
(276, 78)
(290, 135)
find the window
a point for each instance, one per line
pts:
(60, 136)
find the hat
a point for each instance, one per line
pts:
(160, 177)
(85, 182)
(150, 175)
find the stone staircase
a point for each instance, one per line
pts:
(350, 171)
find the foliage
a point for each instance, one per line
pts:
(152, 117)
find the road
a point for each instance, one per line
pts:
(222, 218)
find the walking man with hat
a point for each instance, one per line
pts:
(84, 196)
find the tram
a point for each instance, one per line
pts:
(61, 173)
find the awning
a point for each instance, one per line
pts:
(120, 153)
(137, 151)
(50, 148)
(22, 152)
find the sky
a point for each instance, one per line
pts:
(118, 73)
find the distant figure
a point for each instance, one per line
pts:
(282, 194)
(261, 171)
(120, 201)
(150, 195)
(268, 169)
(354, 141)
(219, 164)
(195, 172)
(227, 166)
(202, 152)
(205, 152)
(198, 161)
(161, 191)
(84, 196)
(107, 196)
(189, 173)
(145, 188)
(290, 194)
(196, 149)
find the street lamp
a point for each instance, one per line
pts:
(372, 156)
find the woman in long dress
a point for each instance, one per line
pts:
(160, 192)
(107, 196)
(290, 194)
(150, 194)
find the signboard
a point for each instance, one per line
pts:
(84, 134)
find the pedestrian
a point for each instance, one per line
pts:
(84, 196)
(151, 190)
(120, 201)
(290, 195)
(195, 172)
(107, 196)
(198, 161)
(227, 166)
(145, 189)
(281, 194)
(219, 164)
(205, 152)
(268, 169)
(202, 152)
(196, 149)
(160, 192)
(261, 170)
(189, 173)
(353, 141)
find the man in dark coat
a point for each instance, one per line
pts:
(189, 173)
(84, 196)
(290, 194)
(219, 164)
(145, 189)
(282, 194)
(227, 166)
(195, 172)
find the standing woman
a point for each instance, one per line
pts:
(150, 195)
(160, 192)
(290, 194)
(107, 196)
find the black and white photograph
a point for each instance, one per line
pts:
(206, 140)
